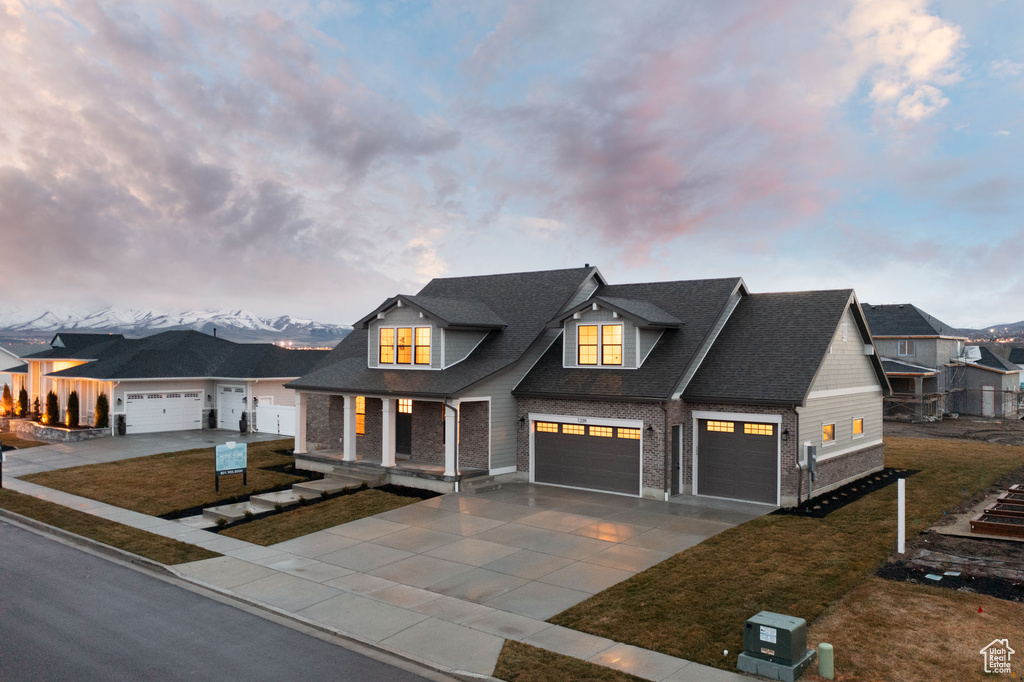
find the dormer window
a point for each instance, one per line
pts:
(387, 346)
(404, 345)
(609, 349)
(588, 344)
(611, 344)
(422, 345)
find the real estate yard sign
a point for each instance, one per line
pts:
(231, 459)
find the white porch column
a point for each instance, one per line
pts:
(387, 438)
(300, 423)
(349, 429)
(451, 438)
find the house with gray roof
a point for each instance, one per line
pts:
(934, 372)
(558, 377)
(171, 381)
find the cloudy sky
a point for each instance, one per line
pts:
(314, 159)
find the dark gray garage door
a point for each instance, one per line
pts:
(595, 457)
(738, 460)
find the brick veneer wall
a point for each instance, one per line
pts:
(650, 413)
(369, 444)
(474, 438)
(846, 467)
(325, 421)
(427, 432)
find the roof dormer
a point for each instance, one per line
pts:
(612, 333)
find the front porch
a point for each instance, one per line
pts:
(405, 471)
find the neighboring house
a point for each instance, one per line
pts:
(1017, 358)
(932, 371)
(644, 389)
(172, 380)
(12, 369)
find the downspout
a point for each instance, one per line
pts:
(455, 412)
(667, 478)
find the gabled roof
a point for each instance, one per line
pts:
(642, 313)
(902, 368)
(73, 341)
(82, 347)
(20, 369)
(447, 312)
(905, 319)
(772, 347)
(523, 301)
(181, 354)
(696, 304)
(1017, 356)
(993, 361)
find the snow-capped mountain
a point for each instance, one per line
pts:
(232, 324)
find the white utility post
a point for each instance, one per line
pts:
(901, 518)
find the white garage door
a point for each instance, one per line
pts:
(154, 412)
(276, 419)
(230, 405)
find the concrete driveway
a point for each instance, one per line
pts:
(63, 455)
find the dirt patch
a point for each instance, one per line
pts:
(1002, 431)
(823, 505)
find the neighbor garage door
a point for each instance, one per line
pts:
(738, 460)
(154, 412)
(230, 405)
(585, 456)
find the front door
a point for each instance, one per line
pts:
(403, 428)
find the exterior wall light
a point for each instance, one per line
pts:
(785, 435)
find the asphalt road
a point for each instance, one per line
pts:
(66, 614)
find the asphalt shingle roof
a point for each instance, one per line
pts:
(524, 301)
(990, 359)
(896, 367)
(1017, 356)
(696, 303)
(904, 319)
(644, 312)
(80, 349)
(770, 349)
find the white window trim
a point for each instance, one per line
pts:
(910, 345)
(835, 434)
(600, 345)
(855, 436)
(740, 417)
(394, 347)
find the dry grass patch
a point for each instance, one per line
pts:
(15, 441)
(520, 662)
(172, 481)
(694, 604)
(885, 630)
(152, 546)
(305, 520)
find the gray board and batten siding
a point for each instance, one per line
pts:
(598, 318)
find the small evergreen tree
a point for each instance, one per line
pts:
(35, 406)
(7, 401)
(22, 408)
(52, 408)
(102, 411)
(71, 416)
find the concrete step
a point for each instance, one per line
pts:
(232, 512)
(198, 522)
(479, 484)
(285, 498)
(331, 484)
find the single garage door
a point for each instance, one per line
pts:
(738, 460)
(230, 404)
(155, 412)
(584, 456)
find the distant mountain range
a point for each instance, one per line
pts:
(996, 331)
(236, 325)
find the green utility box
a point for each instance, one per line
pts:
(775, 646)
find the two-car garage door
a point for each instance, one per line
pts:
(738, 460)
(589, 456)
(154, 412)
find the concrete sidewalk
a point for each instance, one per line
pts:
(449, 633)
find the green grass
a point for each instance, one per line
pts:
(520, 662)
(15, 441)
(156, 547)
(694, 604)
(170, 482)
(305, 520)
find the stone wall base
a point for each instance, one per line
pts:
(33, 431)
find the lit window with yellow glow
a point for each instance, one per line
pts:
(588, 344)
(722, 427)
(360, 415)
(404, 345)
(422, 345)
(405, 405)
(759, 429)
(858, 427)
(387, 346)
(611, 344)
(603, 431)
(572, 429)
(547, 427)
(632, 434)
(828, 433)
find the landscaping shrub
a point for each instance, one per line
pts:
(52, 409)
(71, 415)
(22, 408)
(102, 411)
(7, 401)
(35, 407)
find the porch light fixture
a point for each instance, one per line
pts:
(650, 429)
(785, 435)
(522, 420)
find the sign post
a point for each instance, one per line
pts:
(231, 459)
(901, 518)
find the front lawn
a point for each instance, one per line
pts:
(694, 604)
(156, 547)
(171, 482)
(15, 441)
(305, 520)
